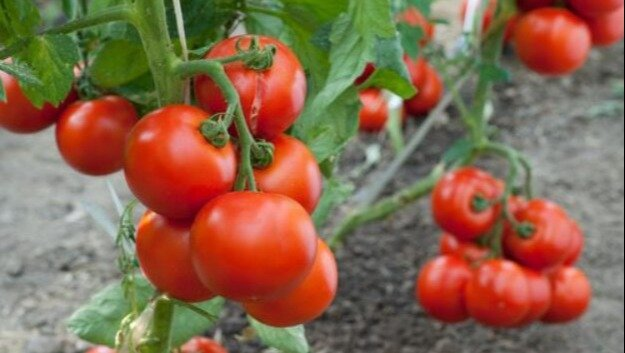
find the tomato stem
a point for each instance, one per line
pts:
(158, 336)
(201, 312)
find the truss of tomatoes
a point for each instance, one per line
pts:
(200, 239)
(194, 345)
(535, 280)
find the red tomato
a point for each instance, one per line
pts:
(577, 244)
(540, 297)
(593, 8)
(272, 99)
(101, 349)
(164, 256)
(171, 168)
(20, 116)
(571, 296)
(471, 252)
(374, 112)
(369, 71)
(489, 15)
(607, 29)
(551, 242)
(294, 173)
(250, 246)
(452, 203)
(202, 345)
(418, 70)
(553, 41)
(498, 294)
(429, 93)
(91, 136)
(414, 18)
(308, 301)
(440, 288)
(529, 5)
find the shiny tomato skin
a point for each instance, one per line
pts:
(607, 29)
(540, 297)
(498, 294)
(595, 8)
(529, 5)
(572, 294)
(552, 41)
(202, 345)
(251, 247)
(413, 17)
(20, 116)
(272, 99)
(293, 173)
(551, 242)
(91, 135)
(164, 255)
(374, 112)
(308, 301)
(429, 93)
(469, 251)
(171, 168)
(418, 70)
(441, 286)
(578, 241)
(452, 203)
(101, 349)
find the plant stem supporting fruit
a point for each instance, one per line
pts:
(158, 336)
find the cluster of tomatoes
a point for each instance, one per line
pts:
(374, 114)
(199, 238)
(195, 345)
(502, 271)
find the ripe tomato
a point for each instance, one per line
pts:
(440, 288)
(20, 116)
(308, 301)
(374, 112)
(417, 69)
(529, 5)
(453, 198)
(595, 8)
(469, 251)
(250, 246)
(552, 41)
(607, 29)
(413, 17)
(202, 345)
(489, 15)
(101, 349)
(91, 136)
(577, 244)
(551, 242)
(430, 92)
(571, 296)
(293, 173)
(272, 99)
(171, 168)
(540, 297)
(498, 294)
(164, 256)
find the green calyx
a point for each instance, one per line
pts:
(262, 154)
(215, 132)
(526, 230)
(480, 204)
(257, 58)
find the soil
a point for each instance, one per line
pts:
(53, 256)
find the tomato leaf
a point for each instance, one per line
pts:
(106, 71)
(287, 340)
(494, 73)
(459, 151)
(18, 18)
(391, 72)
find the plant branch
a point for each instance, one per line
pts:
(158, 336)
(201, 312)
(121, 13)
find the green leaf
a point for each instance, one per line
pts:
(459, 151)
(287, 340)
(411, 38)
(52, 58)
(391, 72)
(106, 70)
(18, 18)
(494, 73)
(21, 72)
(188, 323)
(70, 8)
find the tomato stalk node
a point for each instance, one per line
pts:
(215, 131)
(480, 204)
(262, 154)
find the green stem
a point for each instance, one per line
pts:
(113, 14)
(203, 313)
(385, 207)
(158, 336)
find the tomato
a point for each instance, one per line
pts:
(498, 294)
(101, 349)
(272, 99)
(429, 94)
(418, 70)
(20, 116)
(595, 8)
(164, 255)
(171, 168)
(293, 173)
(572, 293)
(374, 112)
(489, 14)
(453, 198)
(577, 244)
(250, 246)
(540, 297)
(529, 5)
(91, 135)
(414, 18)
(551, 241)
(440, 288)
(469, 251)
(552, 41)
(366, 74)
(308, 301)
(607, 29)
(202, 345)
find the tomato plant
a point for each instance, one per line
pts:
(595, 8)
(608, 28)
(430, 89)
(469, 251)
(374, 114)
(572, 294)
